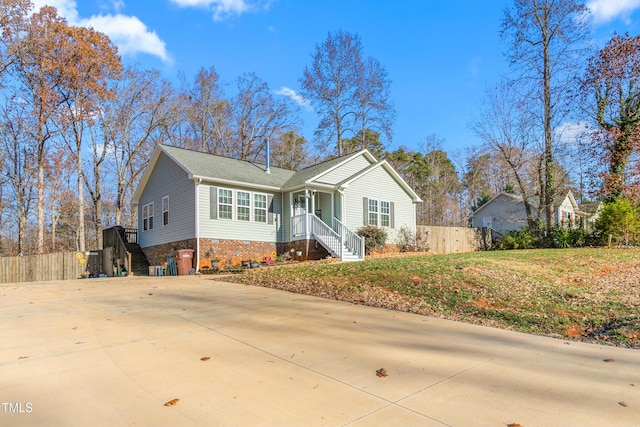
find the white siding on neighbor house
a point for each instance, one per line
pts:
(344, 171)
(570, 215)
(168, 179)
(505, 215)
(379, 185)
(226, 229)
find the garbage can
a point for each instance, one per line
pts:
(184, 261)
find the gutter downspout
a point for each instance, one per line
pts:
(197, 222)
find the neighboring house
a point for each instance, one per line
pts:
(505, 212)
(236, 209)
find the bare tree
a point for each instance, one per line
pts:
(37, 71)
(507, 127)
(91, 61)
(289, 152)
(349, 91)
(18, 165)
(132, 123)
(257, 115)
(206, 114)
(547, 46)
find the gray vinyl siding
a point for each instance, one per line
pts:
(168, 179)
(226, 229)
(325, 206)
(379, 185)
(286, 217)
(344, 171)
(505, 213)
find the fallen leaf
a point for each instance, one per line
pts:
(172, 402)
(608, 360)
(204, 359)
(23, 357)
(381, 372)
(514, 425)
(623, 404)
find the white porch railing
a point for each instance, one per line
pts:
(351, 241)
(340, 241)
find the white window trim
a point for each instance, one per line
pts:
(251, 206)
(220, 204)
(147, 215)
(381, 214)
(165, 209)
(239, 206)
(256, 208)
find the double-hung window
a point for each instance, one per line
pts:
(260, 207)
(225, 203)
(373, 212)
(243, 203)
(240, 205)
(147, 217)
(378, 213)
(165, 210)
(385, 214)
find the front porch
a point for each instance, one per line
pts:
(316, 215)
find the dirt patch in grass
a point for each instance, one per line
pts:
(581, 294)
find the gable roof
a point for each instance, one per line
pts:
(311, 173)
(513, 197)
(391, 171)
(534, 202)
(227, 170)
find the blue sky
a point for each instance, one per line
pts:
(441, 55)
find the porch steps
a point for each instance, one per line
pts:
(331, 243)
(139, 262)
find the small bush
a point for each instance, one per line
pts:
(374, 238)
(409, 241)
(517, 240)
(561, 238)
(621, 220)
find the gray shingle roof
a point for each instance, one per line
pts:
(304, 175)
(218, 168)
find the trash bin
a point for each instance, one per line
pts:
(184, 261)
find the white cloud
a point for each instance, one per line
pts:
(129, 33)
(572, 132)
(608, 10)
(296, 97)
(220, 8)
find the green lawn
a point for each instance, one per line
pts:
(585, 294)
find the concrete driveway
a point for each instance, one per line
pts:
(113, 351)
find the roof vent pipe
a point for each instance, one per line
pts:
(268, 156)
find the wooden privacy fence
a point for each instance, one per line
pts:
(36, 268)
(448, 240)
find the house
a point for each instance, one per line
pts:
(506, 212)
(235, 210)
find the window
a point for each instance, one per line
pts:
(147, 217)
(225, 203)
(378, 213)
(373, 212)
(240, 205)
(165, 210)
(385, 214)
(243, 201)
(260, 208)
